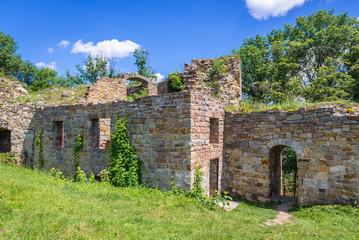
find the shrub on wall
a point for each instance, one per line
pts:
(175, 82)
(219, 66)
(124, 167)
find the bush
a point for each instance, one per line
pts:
(219, 66)
(8, 158)
(143, 93)
(175, 82)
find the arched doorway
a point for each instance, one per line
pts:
(282, 172)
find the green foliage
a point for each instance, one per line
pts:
(78, 149)
(197, 190)
(11, 63)
(93, 69)
(92, 178)
(289, 165)
(80, 176)
(104, 176)
(142, 64)
(57, 174)
(143, 93)
(220, 65)
(332, 82)
(175, 82)
(125, 167)
(39, 148)
(316, 59)
(8, 158)
(197, 193)
(44, 78)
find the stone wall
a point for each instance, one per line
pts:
(326, 143)
(203, 150)
(159, 128)
(197, 77)
(115, 89)
(106, 90)
(226, 86)
(19, 119)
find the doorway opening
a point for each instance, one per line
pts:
(283, 173)
(213, 176)
(5, 141)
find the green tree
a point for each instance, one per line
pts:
(142, 64)
(11, 64)
(292, 61)
(93, 69)
(44, 78)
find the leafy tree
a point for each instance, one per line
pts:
(332, 82)
(11, 63)
(297, 60)
(93, 69)
(142, 64)
(44, 78)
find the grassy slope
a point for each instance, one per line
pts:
(34, 205)
(54, 95)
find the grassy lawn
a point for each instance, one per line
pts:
(34, 205)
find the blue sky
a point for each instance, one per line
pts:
(174, 32)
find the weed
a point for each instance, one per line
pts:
(40, 150)
(80, 176)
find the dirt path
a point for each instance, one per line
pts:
(282, 217)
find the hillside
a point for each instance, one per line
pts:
(12, 91)
(37, 206)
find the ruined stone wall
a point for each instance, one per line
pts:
(18, 118)
(225, 86)
(115, 89)
(106, 90)
(197, 77)
(158, 127)
(203, 148)
(326, 143)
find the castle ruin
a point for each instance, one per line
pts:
(174, 132)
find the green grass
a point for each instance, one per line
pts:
(34, 205)
(54, 95)
(290, 105)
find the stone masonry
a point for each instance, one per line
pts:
(174, 132)
(326, 143)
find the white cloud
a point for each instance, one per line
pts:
(51, 65)
(106, 48)
(262, 9)
(159, 77)
(50, 50)
(64, 43)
